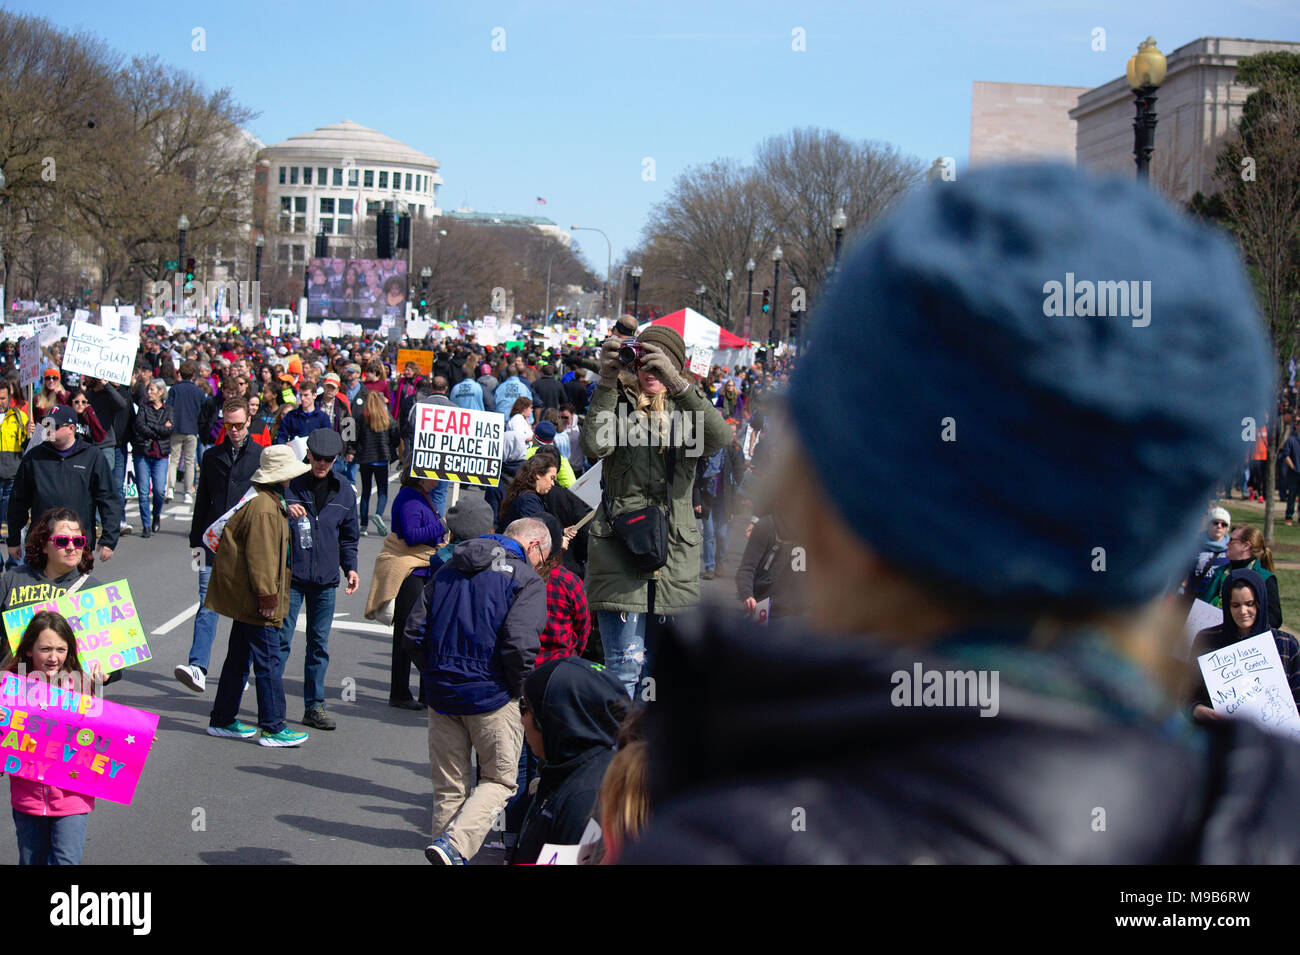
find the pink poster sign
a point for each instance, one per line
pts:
(75, 741)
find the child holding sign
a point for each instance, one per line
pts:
(51, 822)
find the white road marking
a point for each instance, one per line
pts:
(354, 625)
(177, 620)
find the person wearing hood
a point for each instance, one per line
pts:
(1242, 619)
(474, 633)
(571, 712)
(1057, 629)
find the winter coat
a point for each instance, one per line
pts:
(510, 391)
(477, 627)
(223, 479)
(251, 561)
(374, 447)
(298, 424)
(13, 441)
(185, 399)
(489, 385)
(112, 405)
(152, 424)
(334, 532)
(744, 729)
(636, 476)
(81, 480)
(90, 430)
(549, 392)
(767, 569)
(468, 394)
(525, 504)
(1218, 572)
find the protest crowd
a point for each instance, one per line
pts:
(596, 685)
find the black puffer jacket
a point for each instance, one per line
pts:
(372, 447)
(788, 749)
(152, 424)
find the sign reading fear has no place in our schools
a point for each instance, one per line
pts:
(457, 444)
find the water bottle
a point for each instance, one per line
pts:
(304, 532)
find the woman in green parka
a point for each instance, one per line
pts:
(643, 420)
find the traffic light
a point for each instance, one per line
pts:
(189, 273)
(404, 231)
(424, 291)
(384, 232)
(767, 301)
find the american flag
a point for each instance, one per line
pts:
(541, 201)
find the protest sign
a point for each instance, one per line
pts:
(1200, 617)
(352, 328)
(15, 333)
(103, 620)
(108, 318)
(311, 330)
(128, 324)
(422, 358)
(763, 611)
(40, 321)
(51, 334)
(587, 487)
(701, 359)
(487, 336)
(457, 444)
(417, 328)
(273, 323)
(581, 854)
(125, 310)
(81, 315)
(489, 321)
(331, 328)
(74, 741)
(1246, 679)
(101, 353)
(29, 360)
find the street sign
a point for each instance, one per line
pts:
(171, 265)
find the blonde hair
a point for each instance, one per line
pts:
(624, 799)
(1258, 545)
(376, 411)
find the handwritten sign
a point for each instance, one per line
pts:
(701, 359)
(1247, 679)
(457, 444)
(29, 360)
(422, 358)
(74, 741)
(101, 353)
(103, 620)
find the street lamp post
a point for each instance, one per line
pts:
(749, 295)
(1146, 71)
(636, 291)
(260, 244)
(4, 282)
(776, 292)
(699, 295)
(609, 258)
(182, 226)
(728, 275)
(838, 222)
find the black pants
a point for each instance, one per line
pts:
(399, 686)
(1292, 489)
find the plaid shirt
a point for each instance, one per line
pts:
(568, 621)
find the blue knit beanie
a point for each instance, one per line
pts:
(982, 418)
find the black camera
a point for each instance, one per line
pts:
(631, 352)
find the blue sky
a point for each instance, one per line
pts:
(584, 91)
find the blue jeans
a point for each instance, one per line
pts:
(706, 535)
(623, 635)
(259, 645)
(205, 623)
(50, 840)
(150, 471)
(517, 807)
(320, 618)
(374, 473)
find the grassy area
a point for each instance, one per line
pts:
(1286, 549)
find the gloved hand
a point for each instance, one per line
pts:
(610, 366)
(657, 362)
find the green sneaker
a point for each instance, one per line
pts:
(286, 737)
(235, 730)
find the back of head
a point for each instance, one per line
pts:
(578, 706)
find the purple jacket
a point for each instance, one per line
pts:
(416, 522)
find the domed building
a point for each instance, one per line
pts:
(328, 181)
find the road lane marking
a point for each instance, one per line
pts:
(176, 621)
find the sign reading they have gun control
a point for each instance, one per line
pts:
(457, 444)
(74, 741)
(103, 620)
(101, 353)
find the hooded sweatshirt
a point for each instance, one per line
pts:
(579, 706)
(1227, 633)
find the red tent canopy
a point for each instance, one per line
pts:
(679, 320)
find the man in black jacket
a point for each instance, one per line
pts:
(225, 474)
(323, 535)
(65, 471)
(112, 405)
(979, 679)
(548, 390)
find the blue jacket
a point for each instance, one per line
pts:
(185, 399)
(298, 424)
(334, 531)
(510, 391)
(468, 394)
(477, 627)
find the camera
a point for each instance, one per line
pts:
(631, 352)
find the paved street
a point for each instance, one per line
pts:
(360, 794)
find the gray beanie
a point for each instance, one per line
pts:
(469, 517)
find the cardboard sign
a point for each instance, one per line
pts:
(103, 620)
(71, 740)
(352, 329)
(701, 359)
(128, 324)
(1201, 617)
(108, 318)
(29, 360)
(51, 334)
(457, 444)
(1247, 679)
(331, 328)
(422, 358)
(417, 328)
(101, 353)
(587, 487)
(581, 854)
(81, 315)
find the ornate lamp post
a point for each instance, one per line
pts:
(637, 272)
(777, 255)
(728, 275)
(1146, 71)
(699, 295)
(182, 226)
(749, 295)
(838, 222)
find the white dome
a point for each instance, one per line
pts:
(349, 140)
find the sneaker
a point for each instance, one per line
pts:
(191, 677)
(380, 527)
(442, 852)
(169, 496)
(124, 528)
(286, 737)
(235, 730)
(189, 498)
(317, 717)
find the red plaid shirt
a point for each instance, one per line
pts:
(568, 621)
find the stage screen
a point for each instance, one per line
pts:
(352, 289)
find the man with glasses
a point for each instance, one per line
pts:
(64, 470)
(225, 473)
(323, 535)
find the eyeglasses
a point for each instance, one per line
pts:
(80, 404)
(64, 541)
(1238, 540)
(236, 425)
(317, 457)
(1218, 523)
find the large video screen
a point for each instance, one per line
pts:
(356, 288)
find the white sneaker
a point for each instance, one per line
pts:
(191, 677)
(124, 528)
(189, 498)
(168, 496)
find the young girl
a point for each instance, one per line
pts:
(51, 822)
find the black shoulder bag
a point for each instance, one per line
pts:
(644, 531)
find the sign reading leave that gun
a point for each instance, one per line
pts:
(103, 620)
(101, 353)
(74, 741)
(1247, 679)
(457, 444)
